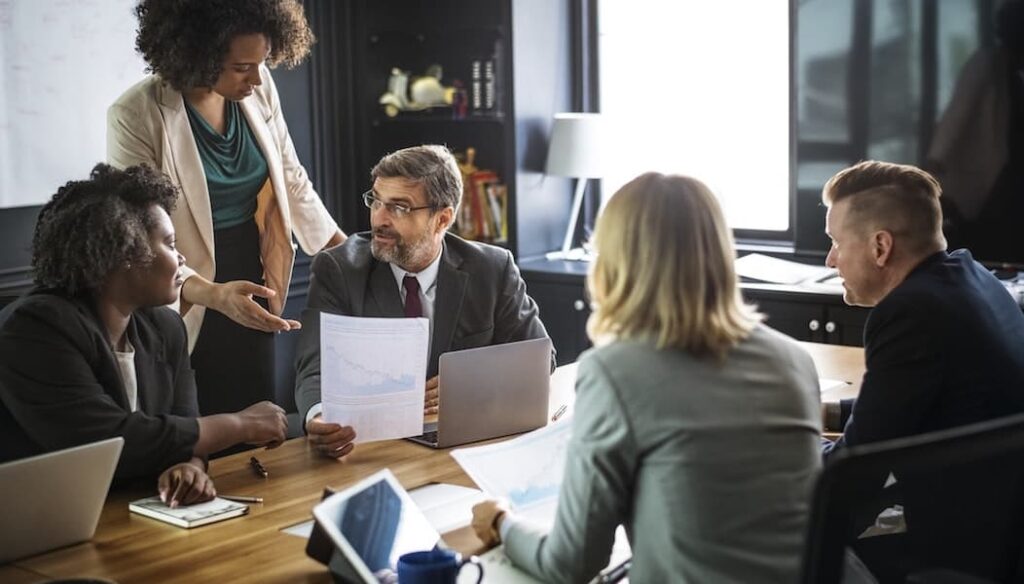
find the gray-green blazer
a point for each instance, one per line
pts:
(709, 466)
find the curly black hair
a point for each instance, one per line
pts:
(92, 227)
(185, 42)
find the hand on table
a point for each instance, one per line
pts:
(432, 396)
(487, 518)
(333, 440)
(185, 484)
(264, 424)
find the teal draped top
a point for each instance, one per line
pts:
(235, 167)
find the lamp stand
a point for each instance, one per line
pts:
(567, 252)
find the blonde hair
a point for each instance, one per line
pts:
(665, 269)
(899, 198)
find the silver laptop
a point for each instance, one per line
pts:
(489, 392)
(54, 499)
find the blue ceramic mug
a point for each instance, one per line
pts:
(434, 567)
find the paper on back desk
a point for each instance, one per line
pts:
(447, 507)
(779, 271)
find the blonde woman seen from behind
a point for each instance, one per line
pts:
(696, 427)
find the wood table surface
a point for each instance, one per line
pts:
(131, 548)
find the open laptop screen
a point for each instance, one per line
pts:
(373, 523)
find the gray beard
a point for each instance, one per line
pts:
(402, 254)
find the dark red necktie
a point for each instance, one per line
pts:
(413, 308)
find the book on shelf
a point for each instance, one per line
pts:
(475, 198)
(188, 516)
(497, 197)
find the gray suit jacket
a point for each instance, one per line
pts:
(709, 467)
(481, 300)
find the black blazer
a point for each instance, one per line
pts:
(480, 300)
(60, 385)
(945, 348)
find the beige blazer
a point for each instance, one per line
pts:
(149, 124)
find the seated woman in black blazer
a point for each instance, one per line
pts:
(92, 352)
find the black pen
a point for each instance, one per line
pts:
(257, 467)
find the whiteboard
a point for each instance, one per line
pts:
(62, 63)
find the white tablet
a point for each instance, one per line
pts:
(372, 523)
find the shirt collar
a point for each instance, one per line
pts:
(427, 277)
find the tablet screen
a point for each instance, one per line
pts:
(379, 523)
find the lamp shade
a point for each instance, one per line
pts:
(577, 146)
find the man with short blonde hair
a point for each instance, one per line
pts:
(943, 343)
(942, 348)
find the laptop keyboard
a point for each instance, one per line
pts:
(430, 436)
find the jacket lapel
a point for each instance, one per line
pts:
(149, 350)
(383, 298)
(185, 161)
(275, 166)
(451, 290)
(108, 372)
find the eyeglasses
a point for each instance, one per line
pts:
(399, 210)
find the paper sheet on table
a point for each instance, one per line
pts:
(778, 271)
(447, 507)
(527, 471)
(499, 568)
(825, 384)
(372, 374)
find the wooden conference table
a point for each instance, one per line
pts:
(130, 548)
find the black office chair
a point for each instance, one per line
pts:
(963, 497)
(6, 299)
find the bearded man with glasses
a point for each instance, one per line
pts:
(409, 265)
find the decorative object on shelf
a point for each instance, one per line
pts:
(483, 215)
(426, 92)
(576, 150)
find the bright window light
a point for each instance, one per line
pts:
(702, 89)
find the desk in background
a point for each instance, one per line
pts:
(806, 314)
(131, 548)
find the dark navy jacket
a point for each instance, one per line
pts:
(945, 348)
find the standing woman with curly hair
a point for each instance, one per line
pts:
(92, 353)
(210, 118)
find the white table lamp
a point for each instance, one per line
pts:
(576, 150)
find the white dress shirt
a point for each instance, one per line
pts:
(126, 365)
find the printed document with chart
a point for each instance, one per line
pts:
(372, 374)
(526, 471)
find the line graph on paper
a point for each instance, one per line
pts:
(366, 370)
(527, 470)
(372, 374)
(371, 358)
